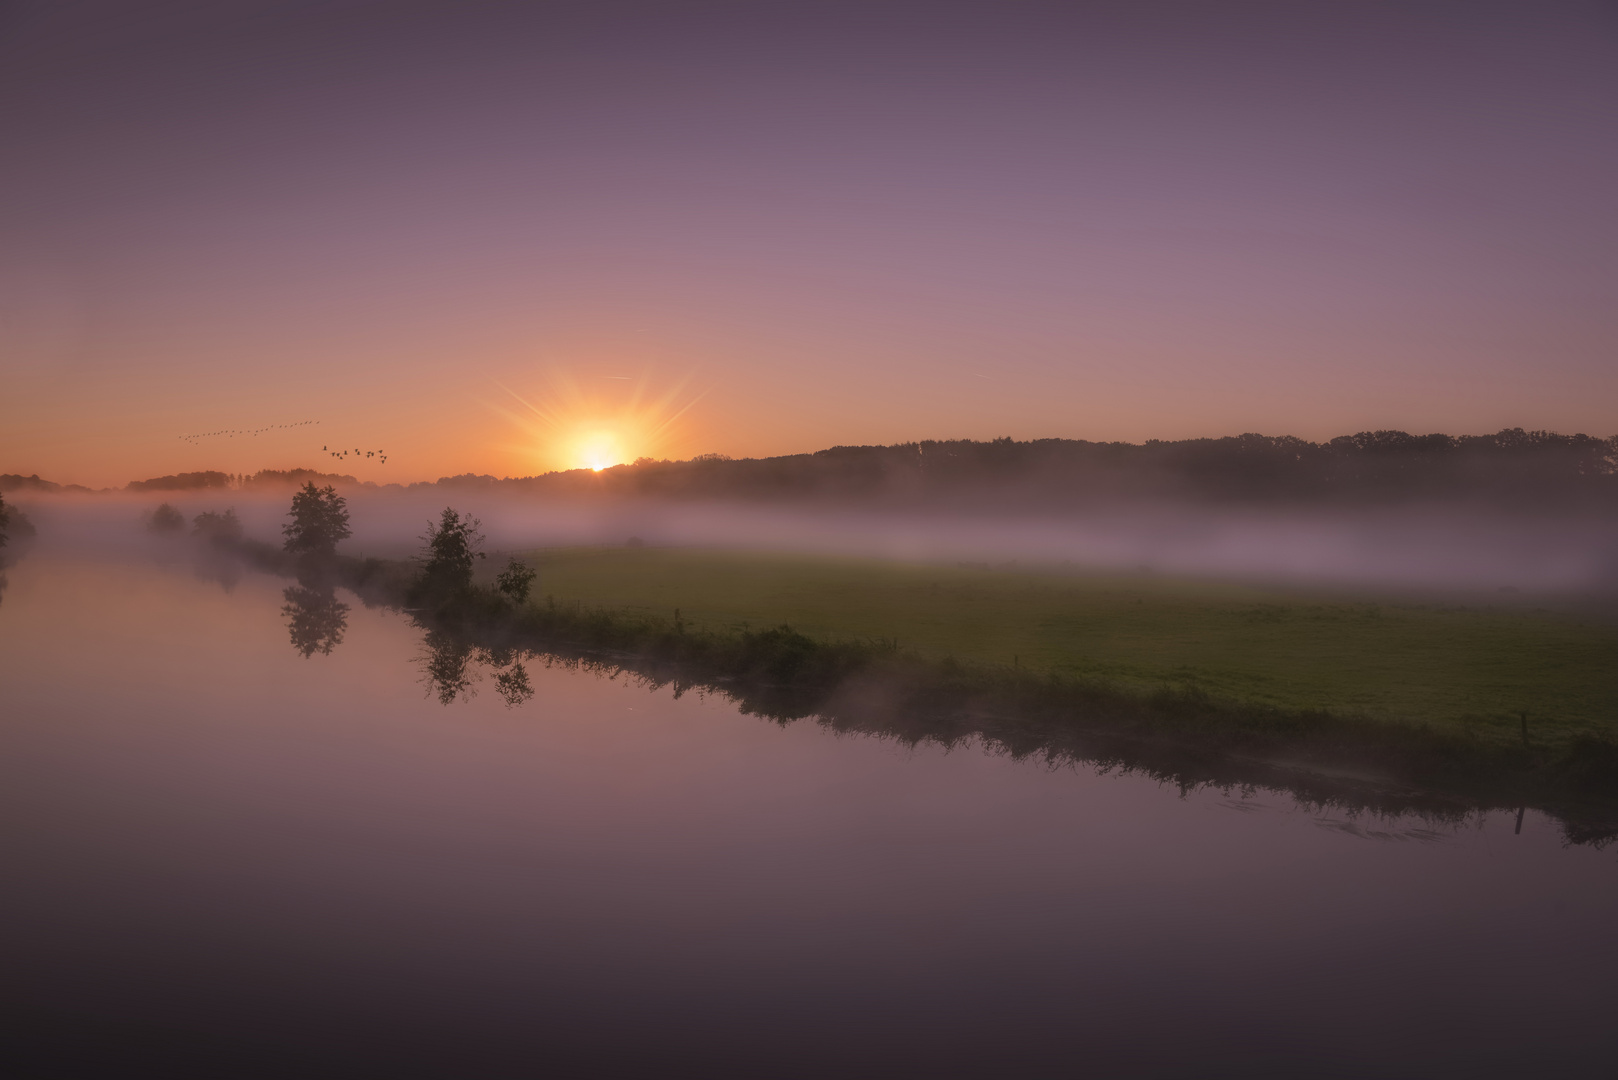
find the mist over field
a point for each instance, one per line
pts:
(1428, 547)
(1531, 511)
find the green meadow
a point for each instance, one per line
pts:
(1474, 667)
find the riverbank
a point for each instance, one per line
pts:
(1470, 665)
(1176, 729)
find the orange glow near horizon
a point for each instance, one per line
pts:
(596, 422)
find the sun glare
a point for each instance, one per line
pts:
(598, 450)
(597, 422)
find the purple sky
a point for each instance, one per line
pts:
(839, 225)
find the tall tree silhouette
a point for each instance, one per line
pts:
(451, 551)
(319, 521)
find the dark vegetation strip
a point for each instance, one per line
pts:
(1180, 736)
(1536, 468)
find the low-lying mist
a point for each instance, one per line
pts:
(1429, 546)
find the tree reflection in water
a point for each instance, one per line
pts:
(220, 568)
(510, 677)
(512, 685)
(316, 619)
(447, 666)
(451, 667)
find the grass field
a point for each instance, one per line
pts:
(1473, 667)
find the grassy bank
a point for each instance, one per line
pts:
(1469, 670)
(847, 662)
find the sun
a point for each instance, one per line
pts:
(597, 450)
(598, 421)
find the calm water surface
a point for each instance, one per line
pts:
(222, 854)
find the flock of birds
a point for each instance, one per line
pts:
(340, 454)
(231, 433)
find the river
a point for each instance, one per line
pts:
(225, 855)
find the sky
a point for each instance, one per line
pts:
(506, 238)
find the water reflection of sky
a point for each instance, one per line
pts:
(215, 843)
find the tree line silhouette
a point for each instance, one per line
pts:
(222, 481)
(1532, 468)
(1515, 466)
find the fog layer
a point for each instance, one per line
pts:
(1436, 547)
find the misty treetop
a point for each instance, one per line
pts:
(319, 521)
(217, 528)
(165, 520)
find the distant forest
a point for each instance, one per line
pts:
(191, 481)
(1514, 466)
